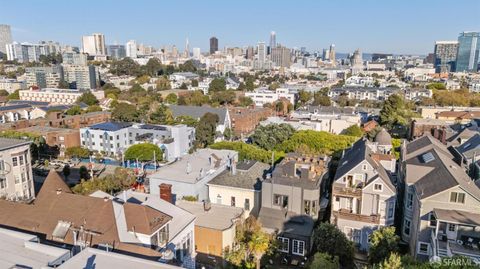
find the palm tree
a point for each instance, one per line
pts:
(258, 245)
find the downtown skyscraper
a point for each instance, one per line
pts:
(273, 41)
(213, 45)
(468, 52)
(5, 38)
(445, 56)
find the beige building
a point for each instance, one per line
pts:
(441, 202)
(364, 195)
(44, 77)
(239, 186)
(51, 95)
(16, 179)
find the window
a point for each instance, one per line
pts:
(406, 227)
(409, 200)
(356, 236)
(391, 210)
(101, 136)
(306, 207)
(432, 220)
(23, 177)
(219, 199)
(378, 187)
(457, 197)
(451, 227)
(15, 161)
(283, 244)
(118, 137)
(2, 165)
(280, 200)
(3, 183)
(298, 247)
(232, 201)
(364, 167)
(17, 179)
(20, 158)
(247, 204)
(314, 208)
(423, 248)
(111, 137)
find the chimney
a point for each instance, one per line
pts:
(166, 192)
(59, 191)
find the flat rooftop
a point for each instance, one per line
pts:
(192, 167)
(219, 217)
(8, 143)
(18, 248)
(91, 258)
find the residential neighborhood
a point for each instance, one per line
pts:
(201, 135)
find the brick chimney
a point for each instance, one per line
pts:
(166, 192)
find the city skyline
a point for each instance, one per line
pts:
(314, 25)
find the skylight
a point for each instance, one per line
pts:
(428, 157)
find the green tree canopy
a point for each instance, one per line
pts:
(395, 112)
(121, 179)
(304, 96)
(94, 108)
(143, 152)
(383, 242)
(162, 115)
(321, 99)
(223, 97)
(329, 239)
(271, 135)
(74, 110)
(353, 130)
(218, 84)
(125, 112)
(171, 98)
(324, 261)
(245, 101)
(78, 152)
(206, 130)
(14, 95)
(88, 98)
(3, 92)
(317, 142)
(250, 152)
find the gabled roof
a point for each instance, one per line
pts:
(197, 112)
(470, 147)
(8, 143)
(144, 219)
(353, 157)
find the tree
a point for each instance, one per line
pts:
(83, 172)
(74, 110)
(126, 66)
(279, 107)
(249, 151)
(218, 84)
(436, 86)
(93, 108)
(88, 98)
(184, 86)
(304, 96)
(3, 93)
(163, 84)
(121, 179)
(393, 261)
(162, 115)
(245, 101)
(324, 261)
(223, 97)
(144, 152)
(320, 99)
(66, 171)
(353, 130)
(153, 67)
(187, 120)
(228, 134)
(269, 136)
(317, 142)
(251, 244)
(383, 242)
(395, 112)
(194, 83)
(171, 98)
(329, 239)
(63, 85)
(206, 130)
(125, 112)
(14, 95)
(195, 98)
(78, 152)
(250, 83)
(143, 79)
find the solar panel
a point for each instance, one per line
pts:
(428, 157)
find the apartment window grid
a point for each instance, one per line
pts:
(298, 247)
(283, 244)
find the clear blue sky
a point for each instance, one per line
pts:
(400, 26)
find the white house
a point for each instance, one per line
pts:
(263, 96)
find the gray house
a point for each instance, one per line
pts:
(441, 202)
(190, 174)
(364, 194)
(291, 201)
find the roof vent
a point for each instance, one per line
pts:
(59, 190)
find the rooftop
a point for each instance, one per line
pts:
(197, 112)
(285, 222)
(8, 143)
(218, 217)
(193, 167)
(23, 249)
(110, 126)
(457, 216)
(91, 258)
(249, 175)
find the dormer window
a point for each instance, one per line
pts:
(364, 167)
(457, 197)
(378, 187)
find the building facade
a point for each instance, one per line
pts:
(445, 56)
(16, 178)
(44, 77)
(468, 52)
(82, 77)
(213, 45)
(51, 95)
(5, 38)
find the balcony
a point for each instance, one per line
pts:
(346, 191)
(347, 215)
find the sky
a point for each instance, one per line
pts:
(393, 26)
